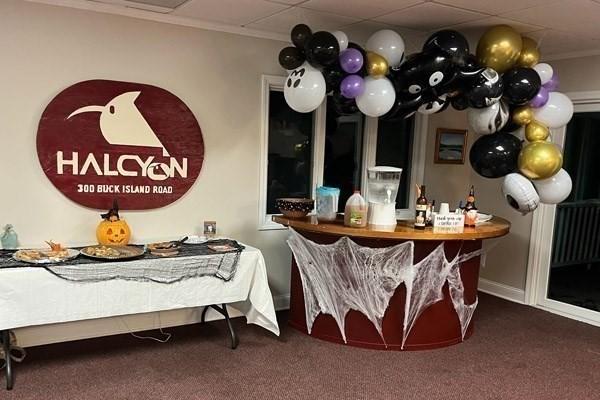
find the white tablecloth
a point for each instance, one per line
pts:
(31, 296)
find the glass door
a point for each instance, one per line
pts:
(574, 270)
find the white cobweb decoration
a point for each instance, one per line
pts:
(344, 276)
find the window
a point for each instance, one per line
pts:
(301, 151)
(290, 152)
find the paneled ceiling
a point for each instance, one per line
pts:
(563, 27)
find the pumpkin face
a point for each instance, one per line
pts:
(113, 233)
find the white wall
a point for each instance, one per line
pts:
(45, 49)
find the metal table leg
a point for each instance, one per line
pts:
(5, 337)
(223, 311)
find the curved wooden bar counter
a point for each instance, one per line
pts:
(437, 326)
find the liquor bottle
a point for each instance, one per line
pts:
(430, 211)
(421, 210)
(470, 209)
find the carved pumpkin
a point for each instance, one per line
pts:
(113, 231)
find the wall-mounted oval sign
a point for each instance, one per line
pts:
(101, 140)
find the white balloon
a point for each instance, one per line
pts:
(554, 189)
(342, 39)
(545, 72)
(387, 44)
(557, 112)
(378, 98)
(520, 193)
(304, 88)
(489, 119)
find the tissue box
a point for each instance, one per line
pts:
(448, 223)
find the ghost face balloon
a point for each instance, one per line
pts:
(429, 75)
(435, 105)
(485, 89)
(304, 89)
(490, 119)
(520, 193)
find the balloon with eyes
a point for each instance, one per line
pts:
(113, 231)
(423, 83)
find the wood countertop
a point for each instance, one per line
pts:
(404, 230)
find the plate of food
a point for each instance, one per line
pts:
(104, 252)
(55, 254)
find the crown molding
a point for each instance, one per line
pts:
(137, 13)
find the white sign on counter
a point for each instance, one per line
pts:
(448, 223)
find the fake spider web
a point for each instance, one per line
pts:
(344, 276)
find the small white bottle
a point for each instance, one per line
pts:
(355, 212)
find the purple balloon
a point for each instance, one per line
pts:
(540, 99)
(352, 86)
(552, 84)
(351, 60)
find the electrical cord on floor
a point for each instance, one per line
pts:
(167, 335)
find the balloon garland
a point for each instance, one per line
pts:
(503, 88)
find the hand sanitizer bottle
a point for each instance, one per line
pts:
(9, 238)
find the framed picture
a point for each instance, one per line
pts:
(210, 228)
(450, 146)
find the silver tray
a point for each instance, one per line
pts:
(20, 256)
(125, 252)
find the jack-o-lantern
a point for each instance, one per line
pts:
(113, 231)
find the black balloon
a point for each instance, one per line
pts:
(342, 105)
(291, 57)
(300, 35)
(459, 103)
(521, 85)
(424, 74)
(449, 42)
(403, 108)
(333, 77)
(495, 155)
(322, 49)
(484, 89)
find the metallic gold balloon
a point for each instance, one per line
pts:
(377, 66)
(522, 115)
(536, 132)
(530, 55)
(540, 160)
(499, 48)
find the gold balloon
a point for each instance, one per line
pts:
(377, 66)
(536, 132)
(499, 48)
(540, 160)
(522, 115)
(530, 55)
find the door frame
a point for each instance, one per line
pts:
(542, 233)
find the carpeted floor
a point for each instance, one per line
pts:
(517, 352)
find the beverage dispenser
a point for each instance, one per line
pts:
(382, 185)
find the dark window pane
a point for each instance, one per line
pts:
(394, 149)
(582, 142)
(290, 152)
(343, 153)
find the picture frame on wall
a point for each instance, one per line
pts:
(450, 146)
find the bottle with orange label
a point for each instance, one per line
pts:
(470, 209)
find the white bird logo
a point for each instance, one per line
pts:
(121, 122)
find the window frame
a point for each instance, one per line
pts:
(369, 149)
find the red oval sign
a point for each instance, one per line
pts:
(102, 140)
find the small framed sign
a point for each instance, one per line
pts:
(210, 229)
(448, 223)
(450, 146)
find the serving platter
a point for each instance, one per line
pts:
(103, 252)
(45, 256)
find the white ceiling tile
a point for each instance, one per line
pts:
(575, 16)
(495, 7)
(284, 21)
(555, 42)
(359, 8)
(235, 12)
(478, 27)
(429, 16)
